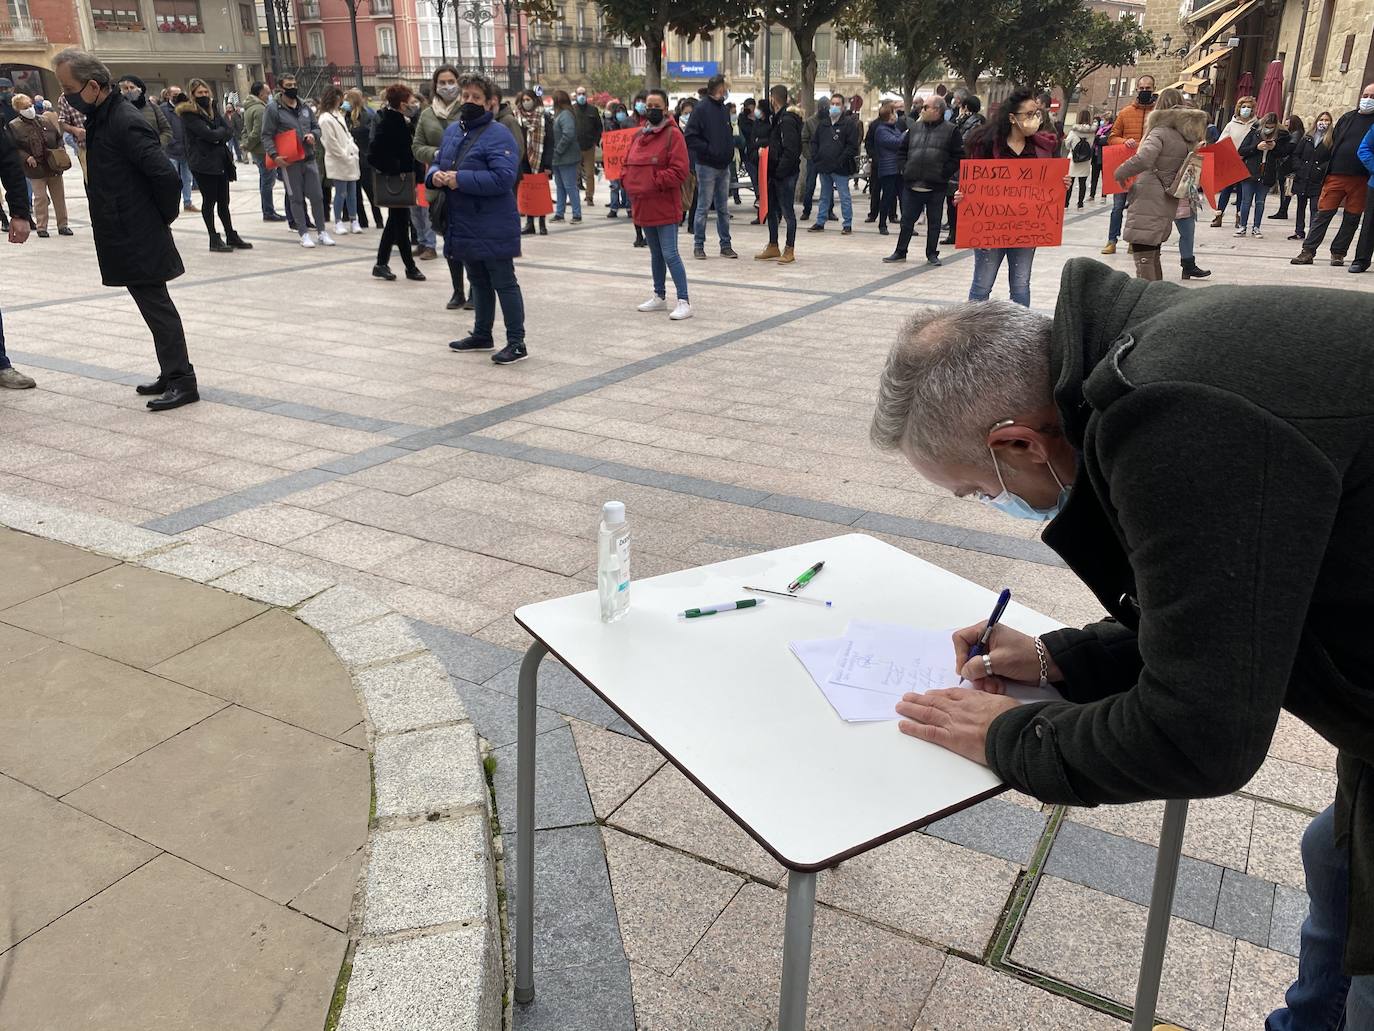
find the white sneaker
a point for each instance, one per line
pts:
(1256, 232)
(654, 304)
(682, 311)
(306, 241)
(326, 239)
(340, 228)
(353, 227)
(1240, 231)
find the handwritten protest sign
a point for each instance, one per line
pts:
(1221, 167)
(533, 197)
(614, 147)
(1016, 203)
(763, 184)
(1112, 157)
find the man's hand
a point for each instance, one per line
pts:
(1132, 144)
(449, 179)
(19, 230)
(1011, 654)
(31, 161)
(956, 718)
(310, 138)
(79, 134)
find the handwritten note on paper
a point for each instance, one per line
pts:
(892, 659)
(1014, 203)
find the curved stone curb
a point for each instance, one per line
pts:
(425, 936)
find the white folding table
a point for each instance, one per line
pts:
(724, 699)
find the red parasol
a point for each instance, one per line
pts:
(1245, 84)
(1271, 92)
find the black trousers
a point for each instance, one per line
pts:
(214, 193)
(1364, 249)
(365, 185)
(951, 217)
(455, 273)
(1097, 174)
(1082, 181)
(164, 322)
(932, 202)
(1340, 243)
(397, 234)
(887, 194)
(782, 195)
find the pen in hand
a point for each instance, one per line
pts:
(980, 647)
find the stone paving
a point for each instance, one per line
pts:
(339, 439)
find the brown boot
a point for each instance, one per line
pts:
(788, 256)
(771, 251)
(1216, 222)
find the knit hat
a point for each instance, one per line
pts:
(135, 80)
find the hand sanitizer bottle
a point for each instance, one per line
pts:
(613, 562)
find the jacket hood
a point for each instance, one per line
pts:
(1188, 123)
(252, 101)
(1088, 129)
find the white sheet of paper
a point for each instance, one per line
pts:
(853, 706)
(893, 659)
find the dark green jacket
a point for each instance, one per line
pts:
(1223, 514)
(251, 137)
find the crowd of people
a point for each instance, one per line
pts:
(447, 159)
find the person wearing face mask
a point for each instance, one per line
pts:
(835, 152)
(537, 147)
(566, 158)
(73, 126)
(1309, 169)
(1128, 129)
(588, 120)
(132, 192)
(137, 94)
(340, 159)
(253, 110)
(1215, 500)
(300, 178)
(783, 166)
(478, 163)
(1265, 148)
(1235, 130)
(430, 127)
(39, 142)
(207, 152)
(711, 146)
(1345, 184)
(389, 153)
(889, 136)
(7, 112)
(656, 166)
(1364, 248)
(930, 155)
(176, 150)
(619, 117)
(1295, 129)
(360, 119)
(17, 196)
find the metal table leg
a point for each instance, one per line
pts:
(1161, 905)
(796, 950)
(524, 823)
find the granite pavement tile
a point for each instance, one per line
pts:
(467, 658)
(1245, 908)
(1259, 978)
(1276, 847)
(558, 688)
(273, 523)
(1296, 742)
(1218, 830)
(560, 792)
(1285, 925)
(666, 1004)
(1000, 826)
(496, 715)
(971, 997)
(1294, 784)
(613, 764)
(428, 771)
(592, 997)
(426, 874)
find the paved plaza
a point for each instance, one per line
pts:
(341, 441)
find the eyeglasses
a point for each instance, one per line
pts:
(1026, 115)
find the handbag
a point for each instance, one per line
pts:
(438, 203)
(1185, 183)
(394, 191)
(58, 160)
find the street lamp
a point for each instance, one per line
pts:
(477, 15)
(283, 10)
(440, 7)
(513, 81)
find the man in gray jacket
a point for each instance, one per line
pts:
(300, 177)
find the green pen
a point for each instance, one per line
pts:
(728, 606)
(805, 578)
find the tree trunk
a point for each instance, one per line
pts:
(909, 83)
(970, 75)
(653, 62)
(457, 36)
(357, 53)
(805, 38)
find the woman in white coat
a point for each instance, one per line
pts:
(340, 159)
(1078, 148)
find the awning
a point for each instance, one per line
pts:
(1189, 86)
(1205, 62)
(1229, 18)
(1206, 11)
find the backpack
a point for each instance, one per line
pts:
(1082, 151)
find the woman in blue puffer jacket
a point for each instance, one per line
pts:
(889, 139)
(477, 164)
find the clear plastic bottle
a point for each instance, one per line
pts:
(613, 562)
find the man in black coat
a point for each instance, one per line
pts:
(1346, 183)
(784, 127)
(17, 197)
(1218, 502)
(934, 149)
(176, 150)
(711, 143)
(834, 151)
(132, 190)
(587, 119)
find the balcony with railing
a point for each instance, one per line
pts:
(388, 64)
(782, 69)
(22, 32)
(310, 12)
(381, 8)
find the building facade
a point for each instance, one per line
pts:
(31, 32)
(562, 53)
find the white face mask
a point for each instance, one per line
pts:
(29, 112)
(1018, 507)
(1246, 112)
(1366, 105)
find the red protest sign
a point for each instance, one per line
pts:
(1014, 203)
(763, 184)
(1221, 167)
(1112, 157)
(614, 147)
(534, 197)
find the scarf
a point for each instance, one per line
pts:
(443, 110)
(533, 121)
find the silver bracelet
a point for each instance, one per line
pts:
(1044, 662)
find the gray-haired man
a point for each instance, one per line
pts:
(1218, 501)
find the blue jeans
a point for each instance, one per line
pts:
(1252, 195)
(1187, 232)
(1118, 214)
(713, 186)
(986, 262)
(346, 196)
(836, 181)
(1322, 998)
(1225, 196)
(184, 170)
(267, 177)
(424, 232)
(664, 258)
(808, 189)
(489, 280)
(619, 198)
(565, 180)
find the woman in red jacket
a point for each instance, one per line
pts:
(655, 169)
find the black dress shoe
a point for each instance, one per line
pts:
(455, 302)
(65, 231)
(237, 242)
(473, 343)
(415, 275)
(382, 272)
(177, 394)
(274, 217)
(43, 233)
(157, 386)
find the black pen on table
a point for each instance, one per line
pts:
(981, 646)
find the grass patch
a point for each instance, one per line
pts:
(340, 993)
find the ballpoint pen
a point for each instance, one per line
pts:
(726, 606)
(805, 578)
(980, 647)
(791, 597)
